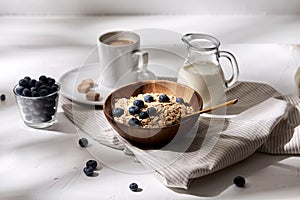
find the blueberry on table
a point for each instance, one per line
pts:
(83, 142)
(133, 187)
(117, 112)
(134, 122)
(24, 83)
(138, 103)
(2, 97)
(144, 115)
(239, 181)
(92, 163)
(179, 100)
(134, 110)
(163, 98)
(89, 171)
(148, 98)
(151, 111)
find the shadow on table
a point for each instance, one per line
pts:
(63, 125)
(214, 184)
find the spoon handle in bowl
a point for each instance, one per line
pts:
(227, 103)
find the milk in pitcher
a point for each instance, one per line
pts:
(206, 79)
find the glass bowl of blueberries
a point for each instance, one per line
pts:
(37, 100)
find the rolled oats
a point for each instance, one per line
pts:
(167, 113)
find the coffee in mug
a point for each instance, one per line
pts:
(120, 42)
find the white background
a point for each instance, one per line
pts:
(199, 7)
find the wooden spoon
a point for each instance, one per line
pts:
(228, 103)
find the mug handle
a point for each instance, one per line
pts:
(234, 66)
(143, 59)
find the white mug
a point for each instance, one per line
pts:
(119, 54)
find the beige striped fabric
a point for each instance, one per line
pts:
(264, 121)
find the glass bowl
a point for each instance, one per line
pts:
(38, 112)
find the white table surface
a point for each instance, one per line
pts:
(47, 164)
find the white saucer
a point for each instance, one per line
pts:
(71, 79)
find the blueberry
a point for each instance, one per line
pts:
(117, 112)
(239, 181)
(45, 118)
(163, 98)
(36, 118)
(138, 103)
(89, 171)
(51, 81)
(26, 111)
(31, 108)
(44, 79)
(54, 88)
(43, 92)
(49, 104)
(43, 87)
(27, 78)
(179, 100)
(151, 111)
(144, 115)
(32, 83)
(134, 122)
(39, 104)
(133, 187)
(38, 84)
(83, 142)
(49, 111)
(26, 92)
(92, 163)
(28, 117)
(39, 112)
(24, 83)
(34, 94)
(19, 90)
(28, 102)
(134, 110)
(148, 98)
(2, 97)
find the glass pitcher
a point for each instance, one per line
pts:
(202, 71)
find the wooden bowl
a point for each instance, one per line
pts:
(153, 138)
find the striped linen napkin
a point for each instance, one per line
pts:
(265, 121)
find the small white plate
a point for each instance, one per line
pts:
(71, 79)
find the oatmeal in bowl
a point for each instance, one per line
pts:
(149, 114)
(150, 110)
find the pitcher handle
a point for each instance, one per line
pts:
(234, 66)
